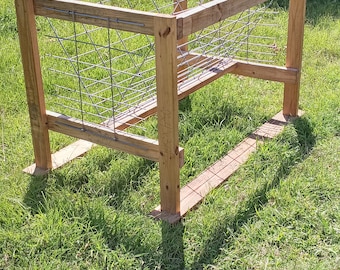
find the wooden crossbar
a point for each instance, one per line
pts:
(204, 15)
(120, 140)
(91, 134)
(244, 68)
(266, 72)
(99, 15)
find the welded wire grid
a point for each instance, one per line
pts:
(103, 75)
(98, 73)
(213, 48)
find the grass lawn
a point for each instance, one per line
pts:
(280, 210)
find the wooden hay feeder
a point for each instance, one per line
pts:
(119, 66)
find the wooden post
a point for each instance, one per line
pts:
(167, 112)
(297, 11)
(34, 85)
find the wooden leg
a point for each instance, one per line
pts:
(297, 10)
(167, 112)
(34, 85)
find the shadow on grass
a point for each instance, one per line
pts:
(132, 181)
(316, 9)
(118, 181)
(35, 195)
(122, 231)
(258, 199)
(219, 113)
(172, 245)
(171, 255)
(118, 177)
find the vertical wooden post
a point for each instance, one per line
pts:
(297, 11)
(167, 112)
(33, 80)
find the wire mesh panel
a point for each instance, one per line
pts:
(216, 46)
(98, 73)
(104, 75)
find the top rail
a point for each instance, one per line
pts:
(188, 22)
(99, 15)
(202, 16)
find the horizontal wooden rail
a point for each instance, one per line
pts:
(244, 68)
(99, 15)
(81, 146)
(266, 72)
(119, 140)
(202, 16)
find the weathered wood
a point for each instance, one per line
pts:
(99, 15)
(167, 112)
(91, 134)
(73, 151)
(210, 13)
(297, 10)
(195, 191)
(34, 85)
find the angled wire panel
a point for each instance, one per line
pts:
(100, 75)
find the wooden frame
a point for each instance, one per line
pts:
(170, 32)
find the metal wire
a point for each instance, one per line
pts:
(109, 74)
(78, 69)
(221, 44)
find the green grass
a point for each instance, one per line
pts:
(281, 210)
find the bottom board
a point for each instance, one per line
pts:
(195, 191)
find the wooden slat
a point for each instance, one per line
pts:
(209, 13)
(98, 14)
(266, 72)
(119, 140)
(195, 191)
(73, 151)
(63, 156)
(92, 134)
(244, 68)
(33, 80)
(297, 10)
(167, 113)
